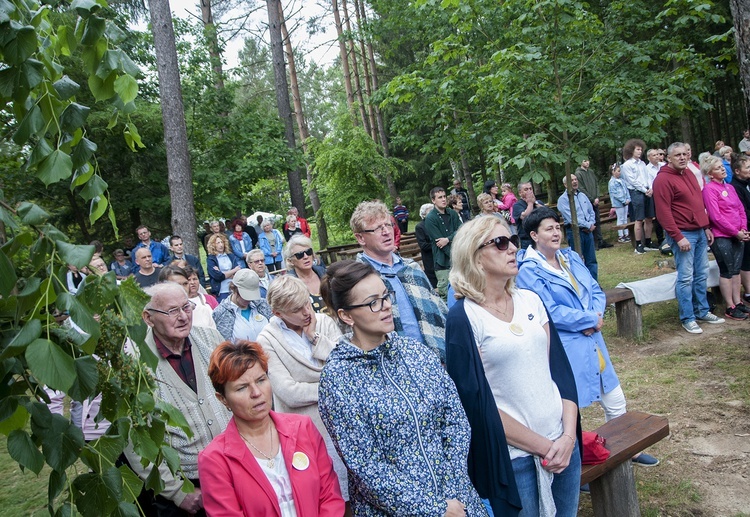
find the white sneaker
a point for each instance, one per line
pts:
(692, 327)
(711, 318)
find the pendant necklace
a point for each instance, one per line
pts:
(270, 460)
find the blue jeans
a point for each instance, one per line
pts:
(588, 251)
(565, 486)
(692, 274)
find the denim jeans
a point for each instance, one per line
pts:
(588, 251)
(692, 275)
(565, 486)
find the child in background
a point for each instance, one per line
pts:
(620, 198)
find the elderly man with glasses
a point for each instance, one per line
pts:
(419, 312)
(183, 353)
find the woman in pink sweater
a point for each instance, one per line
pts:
(729, 226)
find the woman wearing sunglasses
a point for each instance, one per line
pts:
(576, 304)
(513, 379)
(390, 408)
(300, 262)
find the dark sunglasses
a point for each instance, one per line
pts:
(501, 242)
(308, 252)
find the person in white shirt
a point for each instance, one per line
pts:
(635, 177)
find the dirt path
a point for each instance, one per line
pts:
(702, 385)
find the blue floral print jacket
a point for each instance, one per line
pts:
(396, 420)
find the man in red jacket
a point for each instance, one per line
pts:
(682, 214)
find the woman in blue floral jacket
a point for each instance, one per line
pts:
(392, 411)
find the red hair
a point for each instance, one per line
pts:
(230, 360)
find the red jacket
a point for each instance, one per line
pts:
(678, 202)
(233, 484)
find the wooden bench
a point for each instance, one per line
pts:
(612, 484)
(628, 313)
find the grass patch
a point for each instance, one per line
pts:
(23, 492)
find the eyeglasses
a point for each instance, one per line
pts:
(175, 312)
(501, 242)
(259, 261)
(300, 254)
(385, 227)
(376, 305)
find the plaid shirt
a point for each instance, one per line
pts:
(429, 308)
(182, 364)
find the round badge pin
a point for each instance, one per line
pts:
(516, 329)
(724, 193)
(259, 317)
(300, 461)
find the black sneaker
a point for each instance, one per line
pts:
(605, 244)
(639, 250)
(733, 313)
(744, 308)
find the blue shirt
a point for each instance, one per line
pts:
(584, 210)
(405, 310)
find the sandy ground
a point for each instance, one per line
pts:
(704, 467)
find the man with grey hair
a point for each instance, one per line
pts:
(419, 312)
(181, 375)
(586, 220)
(680, 209)
(522, 208)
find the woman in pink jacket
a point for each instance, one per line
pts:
(729, 226)
(265, 463)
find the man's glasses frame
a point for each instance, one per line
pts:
(175, 311)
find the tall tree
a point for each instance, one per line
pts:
(741, 16)
(355, 67)
(282, 100)
(212, 36)
(343, 55)
(175, 133)
(304, 134)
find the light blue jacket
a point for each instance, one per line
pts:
(264, 245)
(584, 209)
(572, 316)
(237, 247)
(618, 192)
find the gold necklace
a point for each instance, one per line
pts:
(270, 461)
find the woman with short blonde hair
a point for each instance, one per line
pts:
(300, 263)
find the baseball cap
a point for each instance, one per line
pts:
(247, 283)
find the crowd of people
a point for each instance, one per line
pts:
(379, 386)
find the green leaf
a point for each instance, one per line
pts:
(94, 29)
(83, 151)
(55, 167)
(113, 119)
(32, 73)
(126, 509)
(40, 152)
(108, 447)
(22, 449)
(85, 8)
(127, 88)
(62, 441)
(102, 89)
(57, 482)
(176, 418)
(94, 187)
(132, 131)
(28, 333)
(98, 292)
(131, 484)
(154, 481)
(81, 176)
(50, 364)
(87, 376)
(66, 87)
(171, 457)
(81, 314)
(98, 494)
(74, 116)
(17, 420)
(8, 276)
(21, 47)
(110, 63)
(98, 207)
(32, 214)
(31, 124)
(78, 255)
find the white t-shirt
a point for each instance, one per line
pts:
(515, 357)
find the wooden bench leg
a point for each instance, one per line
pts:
(629, 319)
(614, 493)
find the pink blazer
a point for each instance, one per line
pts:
(232, 482)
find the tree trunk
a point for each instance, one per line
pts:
(209, 29)
(79, 216)
(685, 133)
(175, 131)
(304, 134)
(374, 87)
(741, 16)
(282, 100)
(467, 180)
(366, 69)
(355, 67)
(344, 61)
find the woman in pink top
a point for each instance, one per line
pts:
(729, 226)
